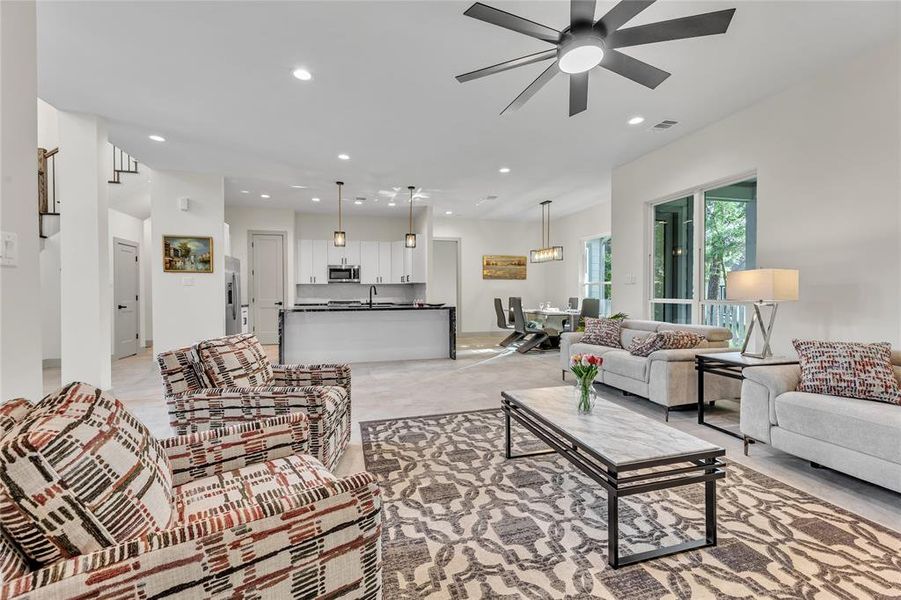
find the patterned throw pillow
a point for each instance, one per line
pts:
(235, 361)
(848, 369)
(665, 340)
(603, 332)
(644, 345)
(79, 473)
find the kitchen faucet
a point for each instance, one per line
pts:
(372, 290)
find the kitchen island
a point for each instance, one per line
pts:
(310, 334)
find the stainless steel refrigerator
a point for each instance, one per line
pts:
(232, 295)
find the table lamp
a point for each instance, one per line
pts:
(765, 288)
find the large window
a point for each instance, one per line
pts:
(697, 240)
(596, 267)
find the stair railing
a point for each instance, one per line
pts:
(123, 162)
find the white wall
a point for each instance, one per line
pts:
(85, 298)
(826, 154)
(562, 279)
(480, 237)
(241, 220)
(131, 229)
(187, 307)
(358, 227)
(20, 304)
(147, 283)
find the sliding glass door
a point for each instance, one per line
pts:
(596, 269)
(689, 264)
(673, 266)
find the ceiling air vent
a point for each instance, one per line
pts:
(664, 125)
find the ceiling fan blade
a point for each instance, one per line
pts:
(620, 14)
(581, 12)
(634, 69)
(578, 92)
(505, 66)
(501, 18)
(533, 88)
(711, 23)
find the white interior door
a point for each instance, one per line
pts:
(445, 284)
(125, 297)
(267, 276)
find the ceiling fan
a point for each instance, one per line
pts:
(587, 43)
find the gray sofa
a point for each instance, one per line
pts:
(858, 437)
(666, 377)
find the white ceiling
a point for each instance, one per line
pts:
(215, 79)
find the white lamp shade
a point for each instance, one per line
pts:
(768, 285)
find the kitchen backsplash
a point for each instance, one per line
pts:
(387, 292)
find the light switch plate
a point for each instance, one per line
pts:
(9, 249)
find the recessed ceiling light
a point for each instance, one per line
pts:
(315, 199)
(344, 157)
(302, 74)
(504, 170)
(299, 187)
(358, 202)
(157, 138)
(448, 212)
(245, 192)
(392, 204)
(636, 120)
(265, 196)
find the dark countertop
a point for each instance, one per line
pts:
(359, 307)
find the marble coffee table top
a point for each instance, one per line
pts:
(621, 437)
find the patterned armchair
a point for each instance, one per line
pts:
(230, 380)
(92, 506)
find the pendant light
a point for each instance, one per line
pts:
(410, 240)
(340, 236)
(546, 252)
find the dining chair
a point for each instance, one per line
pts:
(520, 326)
(503, 324)
(510, 307)
(591, 307)
(574, 303)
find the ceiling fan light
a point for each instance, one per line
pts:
(580, 56)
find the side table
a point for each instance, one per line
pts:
(732, 365)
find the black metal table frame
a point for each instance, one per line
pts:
(704, 468)
(723, 369)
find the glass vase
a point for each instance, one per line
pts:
(585, 395)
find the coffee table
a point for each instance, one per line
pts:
(623, 451)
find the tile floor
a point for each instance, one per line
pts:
(474, 381)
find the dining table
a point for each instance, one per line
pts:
(561, 319)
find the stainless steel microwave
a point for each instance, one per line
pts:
(344, 274)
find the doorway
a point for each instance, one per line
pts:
(445, 281)
(125, 298)
(266, 284)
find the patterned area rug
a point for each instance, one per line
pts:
(462, 522)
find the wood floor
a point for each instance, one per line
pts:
(474, 381)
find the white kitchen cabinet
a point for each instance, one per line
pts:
(370, 267)
(345, 255)
(352, 252)
(398, 261)
(418, 263)
(385, 262)
(375, 262)
(312, 262)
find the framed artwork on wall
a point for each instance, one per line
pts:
(504, 267)
(187, 254)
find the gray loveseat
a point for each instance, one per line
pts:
(666, 377)
(858, 437)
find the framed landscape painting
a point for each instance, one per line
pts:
(504, 267)
(187, 254)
